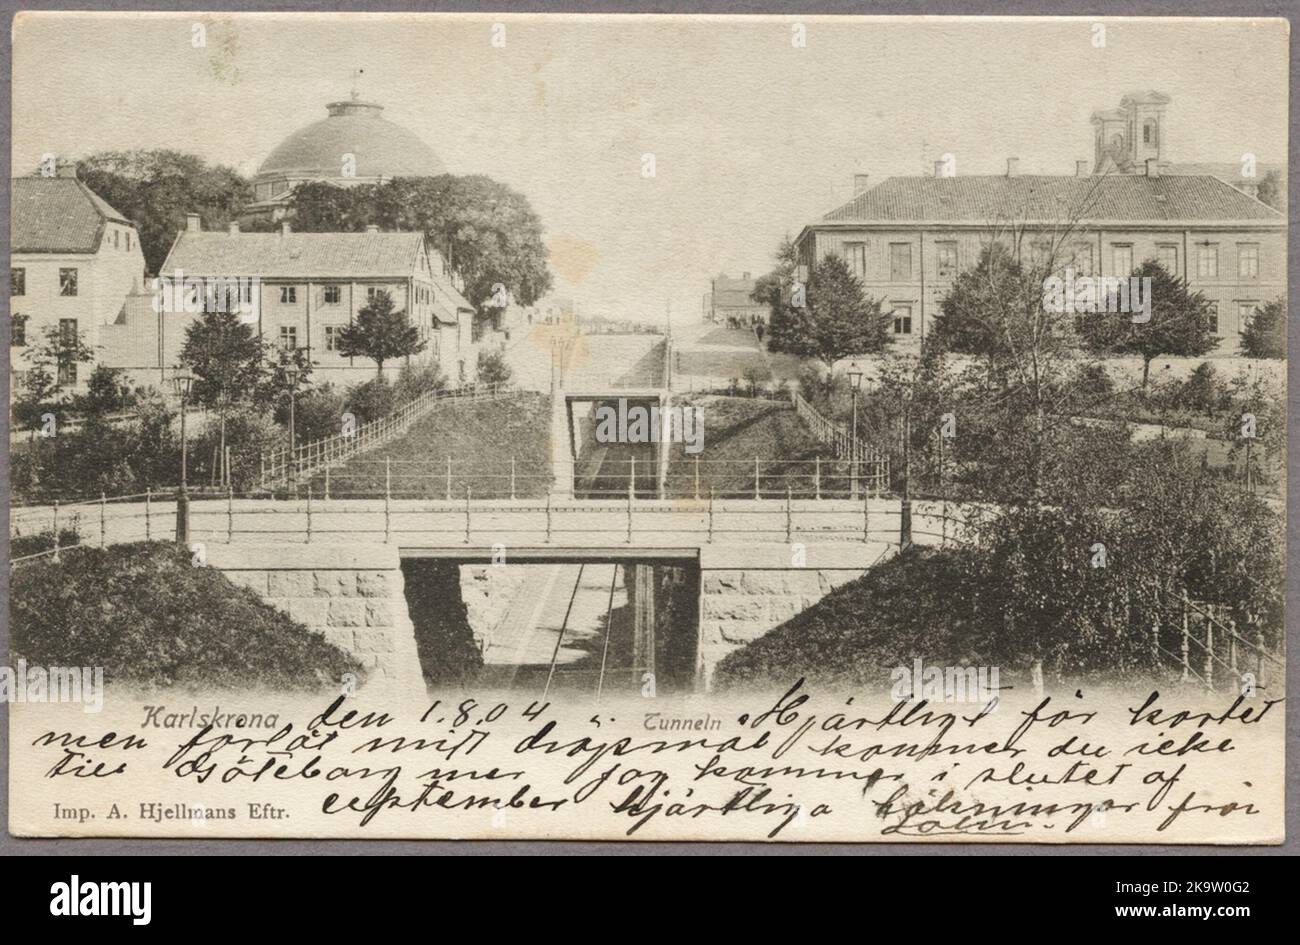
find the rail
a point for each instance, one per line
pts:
(872, 461)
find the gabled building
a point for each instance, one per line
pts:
(73, 262)
(729, 301)
(300, 290)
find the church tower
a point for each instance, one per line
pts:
(1126, 137)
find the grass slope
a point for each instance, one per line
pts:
(149, 616)
(480, 438)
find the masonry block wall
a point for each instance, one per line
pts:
(746, 592)
(354, 597)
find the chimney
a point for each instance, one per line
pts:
(1013, 167)
(1153, 169)
(285, 229)
(66, 169)
(372, 228)
(234, 227)
(861, 183)
(1080, 168)
(192, 223)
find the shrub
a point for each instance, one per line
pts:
(318, 413)
(492, 368)
(249, 434)
(147, 615)
(1203, 391)
(417, 379)
(371, 400)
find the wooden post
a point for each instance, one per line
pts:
(103, 525)
(1232, 651)
(448, 478)
(817, 476)
(230, 513)
(327, 482)
(468, 498)
(1187, 630)
(1209, 650)
(388, 490)
(309, 513)
(788, 524)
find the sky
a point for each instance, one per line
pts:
(753, 135)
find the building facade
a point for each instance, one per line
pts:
(74, 260)
(300, 290)
(729, 302)
(908, 238)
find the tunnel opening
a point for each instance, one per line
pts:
(564, 628)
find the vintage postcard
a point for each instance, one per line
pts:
(791, 428)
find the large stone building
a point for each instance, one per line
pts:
(907, 238)
(73, 261)
(354, 144)
(299, 289)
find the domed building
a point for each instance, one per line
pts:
(354, 144)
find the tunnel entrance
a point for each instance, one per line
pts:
(563, 628)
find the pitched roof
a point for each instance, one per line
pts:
(1118, 198)
(296, 255)
(57, 215)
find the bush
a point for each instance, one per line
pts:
(1094, 385)
(493, 369)
(249, 434)
(318, 413)
(147, 615)
(1203, 391)
(371, 400)
(417, 379)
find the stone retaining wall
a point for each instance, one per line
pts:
(354, 597)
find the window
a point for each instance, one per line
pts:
(371, 292)
(1247, 260)
(1121, 255)
(1083, 259)
(128, 241)
(1149, 133)
(1207, 261)
(856, 256)
(332, 337)
(1214, 318)
(288, 338)
(67, 282)
(116, 238)
(900, 262)
(902, 319)
(17, 281)
(288, 294)
(18, 331)
(68, 374)
(1167, 256)
(946, 254)
(68, 332)
(333, 294)
(1245, 312)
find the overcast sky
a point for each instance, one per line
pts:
(752, 137)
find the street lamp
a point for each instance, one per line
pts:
(291, 378)
(855, 383)
(182, 382)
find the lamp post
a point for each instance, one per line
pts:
(182, 382)
(855, 382)
(291, 378)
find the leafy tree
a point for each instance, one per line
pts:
(493, 369)
(156, 188)
(787, 329)
(967, 320)
(225, 354)
(1179, 325)
(106, 391)
(1265, 334)
(58, 354)
(380, 333)
(1271, 192)
(841, 321)
(317, 207)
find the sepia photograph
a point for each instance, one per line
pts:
(589, 427)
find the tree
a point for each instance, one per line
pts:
(157, 188)
(493, 369)
(1271, 192)
(966, 322)
(58, 354)
(841, 321)
(106, 391)
(380, 333)
(787, 328)
(1179, 322)
(1265, 334)
(226, 355)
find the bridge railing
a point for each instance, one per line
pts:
(873, 462)
(283, 464)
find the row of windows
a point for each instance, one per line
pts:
(1122, 261)
(18, 281)
(1245, 311)
(18, 330)
(333, 294)
(289, 336)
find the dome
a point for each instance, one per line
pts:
(380, 148)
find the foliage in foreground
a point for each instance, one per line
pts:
(147, 615)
